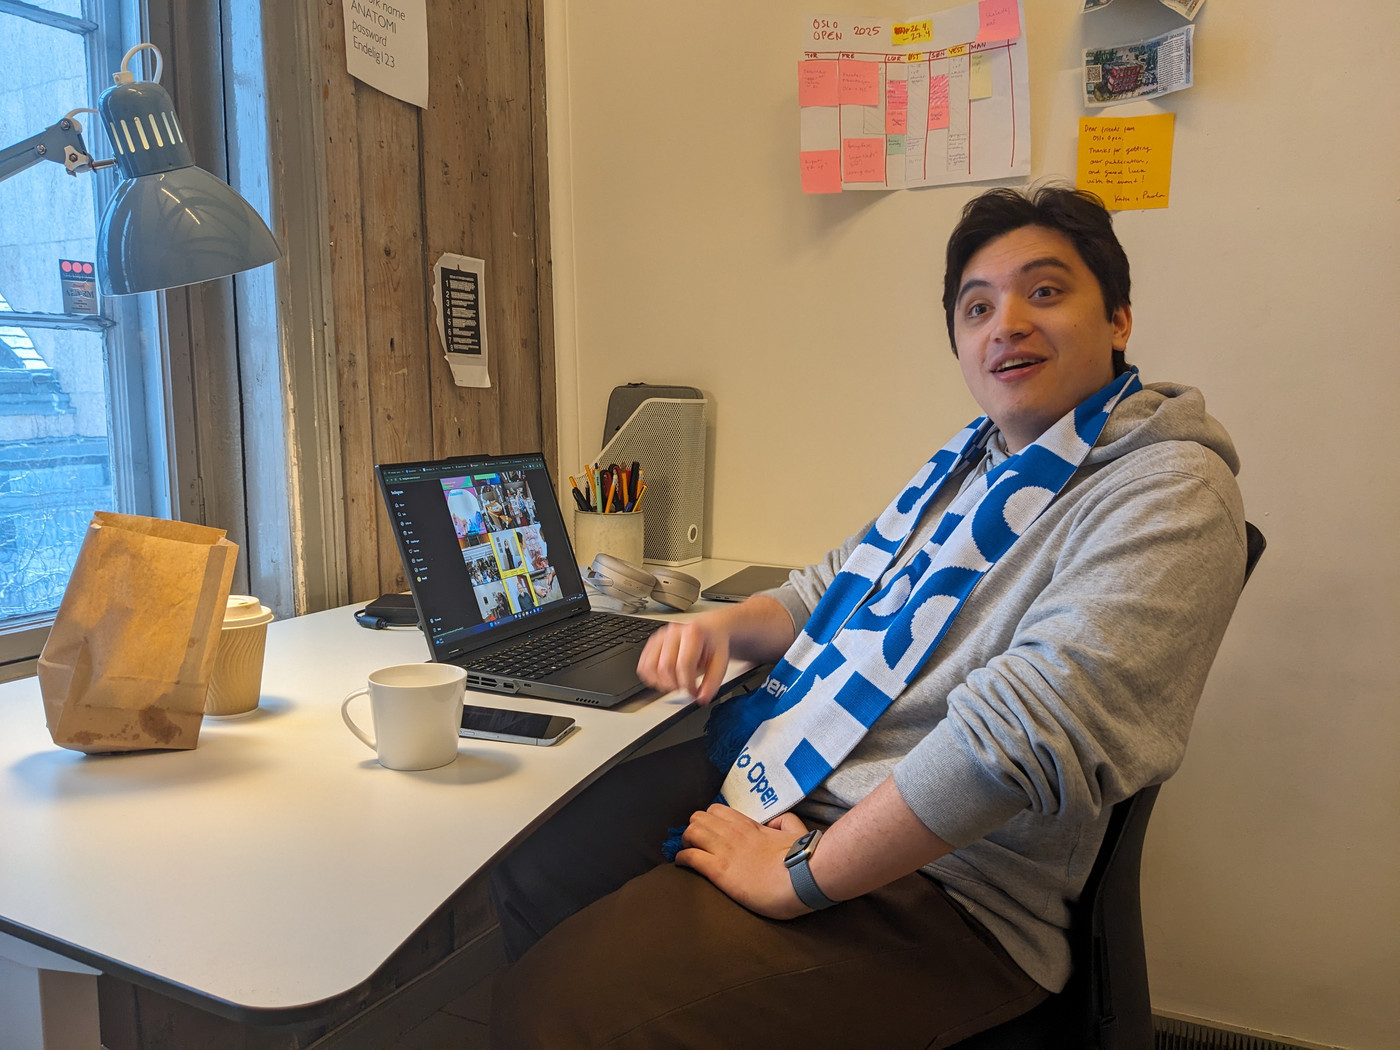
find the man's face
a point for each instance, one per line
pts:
(1032, 336)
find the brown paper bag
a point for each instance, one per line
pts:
(128, 661)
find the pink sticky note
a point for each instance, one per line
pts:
(998, 20)
(817, 83)
(896, 107)
(938, 101)
(863, 160)
(860, 83)
(821, 171)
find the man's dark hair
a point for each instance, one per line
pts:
(1078, 214)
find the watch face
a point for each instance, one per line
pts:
(799, 847)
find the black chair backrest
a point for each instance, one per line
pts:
(1254, 546)
(1109, 931)
(1106, 1005)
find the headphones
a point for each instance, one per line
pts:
(631, 585)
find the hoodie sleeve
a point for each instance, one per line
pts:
(805, 587)
(1095, 695)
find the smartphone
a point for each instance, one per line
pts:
(519, 727)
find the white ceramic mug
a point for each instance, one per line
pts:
(417, 710)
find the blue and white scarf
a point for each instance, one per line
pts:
(873, 630)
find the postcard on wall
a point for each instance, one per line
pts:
(459, 293)
(1127, 161)
(386, 46)
(888, 104)
(1142, 70)
(1186, 8)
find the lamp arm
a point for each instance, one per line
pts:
(61, 142)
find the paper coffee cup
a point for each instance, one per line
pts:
(237, 682)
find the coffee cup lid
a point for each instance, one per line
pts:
(245, 611)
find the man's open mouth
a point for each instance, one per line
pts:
(1016, 362)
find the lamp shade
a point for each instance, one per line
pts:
(169, 223)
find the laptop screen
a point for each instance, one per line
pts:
(483, 544)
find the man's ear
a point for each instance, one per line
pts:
(1122, 327)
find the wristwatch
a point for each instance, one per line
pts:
(796, 862)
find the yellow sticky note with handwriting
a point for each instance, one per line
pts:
(1127, 161)
(979, 76)
(920, 32)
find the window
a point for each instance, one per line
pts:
(178, 403)
(81, 420)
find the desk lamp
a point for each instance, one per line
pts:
(169, 223)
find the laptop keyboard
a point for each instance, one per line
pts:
(534, 658)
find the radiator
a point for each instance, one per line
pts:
(1170, 1033)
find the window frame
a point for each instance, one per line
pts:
(137, 430)
(248, 437)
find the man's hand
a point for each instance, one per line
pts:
(692, 656)
(745, 859)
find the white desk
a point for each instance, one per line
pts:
(277, 865)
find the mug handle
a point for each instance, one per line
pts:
(345, 714)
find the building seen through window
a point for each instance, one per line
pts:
(76, 413)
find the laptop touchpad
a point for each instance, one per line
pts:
(616, 666)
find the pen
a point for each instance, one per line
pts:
(579, 497)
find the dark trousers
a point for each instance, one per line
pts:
(635, 952)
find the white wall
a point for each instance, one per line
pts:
(685, 253)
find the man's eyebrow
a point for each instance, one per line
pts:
(1034, 264)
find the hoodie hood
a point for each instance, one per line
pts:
(1158, 412)
(1162, 412)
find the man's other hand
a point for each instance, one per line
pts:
(745, 858)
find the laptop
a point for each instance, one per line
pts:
(498, 590)
(746, 582)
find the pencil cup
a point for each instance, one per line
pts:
(621, 535)
(236, 685)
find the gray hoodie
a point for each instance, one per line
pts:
(1070, 678)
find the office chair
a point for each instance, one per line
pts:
(1106, 1005)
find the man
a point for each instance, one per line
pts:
(962, 693)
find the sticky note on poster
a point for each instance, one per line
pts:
(979, 77)
(896, 107)
(386, 46)
(860, 83)
(821, 170)
(1127, 161)
(863, 160)
(817, 83)
(998, 20)
(905, 33)
(938, 112)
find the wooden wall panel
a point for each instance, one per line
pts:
(345, 208)
(461, 197)
(465, 175)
